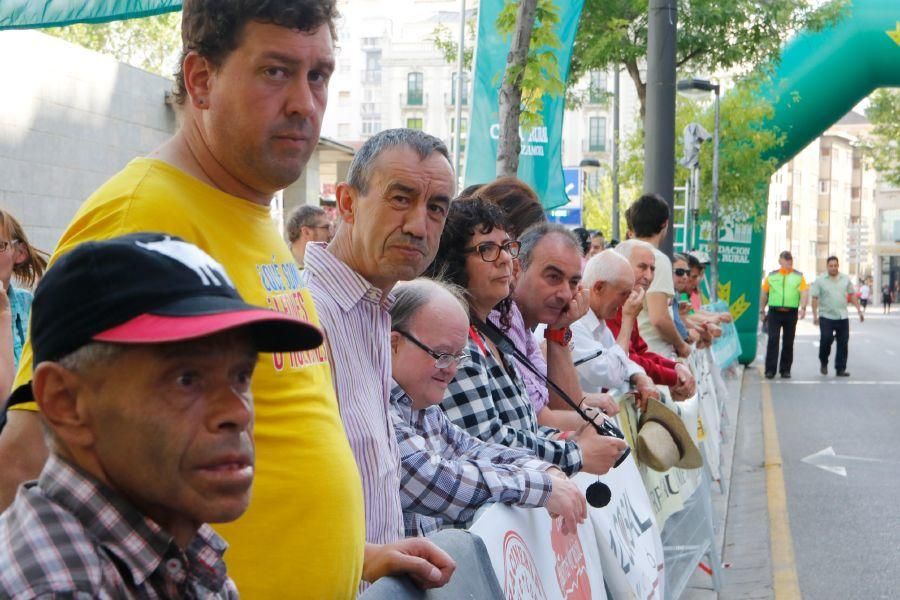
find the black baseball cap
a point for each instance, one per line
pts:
(147, 288)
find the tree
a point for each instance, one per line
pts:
(883, 149)
(713, 35)
(744, 169)
(532, 70)
(151, 43)
(510, 98)
(527, 80)
(596, 208)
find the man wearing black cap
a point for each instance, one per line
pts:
(251, 89)
(786, 292)
(143, 354)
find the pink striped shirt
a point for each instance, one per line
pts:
(357, 325)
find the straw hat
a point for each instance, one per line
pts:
(663, 441)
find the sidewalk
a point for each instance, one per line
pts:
(741, 513)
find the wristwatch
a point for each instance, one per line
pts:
(560, 336)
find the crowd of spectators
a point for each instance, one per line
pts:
(426, 355)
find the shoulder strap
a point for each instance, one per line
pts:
(506, 345)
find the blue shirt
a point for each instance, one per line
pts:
(20, 304)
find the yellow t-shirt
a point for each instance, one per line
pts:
(304, 533)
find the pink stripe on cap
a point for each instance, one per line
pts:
(150, 329)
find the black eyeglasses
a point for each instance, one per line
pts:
(4, 245)
(441, 359)
(490, 251)
(681, 272)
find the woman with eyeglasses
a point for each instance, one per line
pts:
(488, 397)
(17, 258)
(446, 474)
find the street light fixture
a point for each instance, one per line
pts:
(694, 88)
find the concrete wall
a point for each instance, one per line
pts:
(69, 119)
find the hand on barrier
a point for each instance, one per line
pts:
(599, 452)
(603, 402)
(683, 350)
(576, 309)
(687, 385)
(567, 503)
(419, 558)
(644, 389)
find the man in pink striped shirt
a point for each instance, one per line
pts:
(392, 207)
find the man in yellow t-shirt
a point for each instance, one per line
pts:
(252, 87)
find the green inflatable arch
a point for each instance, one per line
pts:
(821, 76)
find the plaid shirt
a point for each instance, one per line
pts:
(447, 475)
(490, 403)
(67, 535)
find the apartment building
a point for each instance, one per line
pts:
(391, 74)
(822, 203)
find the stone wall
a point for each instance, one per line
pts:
(69, 119)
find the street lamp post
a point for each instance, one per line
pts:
(587, 165)
(702, 86)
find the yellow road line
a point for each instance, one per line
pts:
(784, 567)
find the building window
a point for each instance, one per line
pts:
(415, 84)
(344, 131)
(343, 98)
(371, 126)
(372, 74)
(597, 134)
(465, 90)
(415, 123)
(823, 186)
(597, 92)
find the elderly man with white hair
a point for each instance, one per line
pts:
(601, 359)
(662, 370)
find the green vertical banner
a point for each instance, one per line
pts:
(741, 246)
(540, 161)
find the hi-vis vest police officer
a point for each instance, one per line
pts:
(786, 292)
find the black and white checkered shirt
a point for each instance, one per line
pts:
(68, 536)
(447, 475)
(491, 403)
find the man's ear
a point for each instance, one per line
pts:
(198, 72)
(395, 341)
(58, 393)
(345, 196)
(597, 288)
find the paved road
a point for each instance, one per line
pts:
(845, 527)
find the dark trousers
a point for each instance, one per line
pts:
(829, 329)
(775, 322)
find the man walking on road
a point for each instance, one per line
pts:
(786, 292)
(830, 292)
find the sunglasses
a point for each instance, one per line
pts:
(441, 359)
(490, 251)
(681, 272)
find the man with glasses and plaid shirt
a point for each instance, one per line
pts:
(447, 474)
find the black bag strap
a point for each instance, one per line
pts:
(507, 346)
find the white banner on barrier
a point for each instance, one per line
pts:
(667, 491)
(710, 417)
(533, 560)
(630, 547)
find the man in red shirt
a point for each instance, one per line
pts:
(660, 369)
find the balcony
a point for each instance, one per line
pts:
(371, 77)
